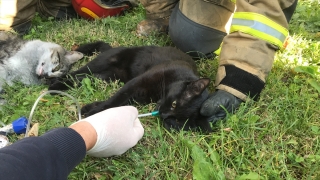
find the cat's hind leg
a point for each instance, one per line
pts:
(90, 48)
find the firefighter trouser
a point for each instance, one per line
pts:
(156, 9)
(17, 14)
(195, 26)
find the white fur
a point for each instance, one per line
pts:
(25, 66)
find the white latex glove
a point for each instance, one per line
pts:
(118, 129)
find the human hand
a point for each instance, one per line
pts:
(212, 107)
(118, 129)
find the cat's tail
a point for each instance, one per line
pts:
(90, 48)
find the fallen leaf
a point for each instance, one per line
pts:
(74, 47)
(227, 129)
(43, 100)
(34, 131)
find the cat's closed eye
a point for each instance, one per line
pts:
(56, 68)
(173, 105)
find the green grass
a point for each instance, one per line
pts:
(274, 138)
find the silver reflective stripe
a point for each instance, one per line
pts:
(260, 27)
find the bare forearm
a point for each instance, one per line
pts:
(87, 132)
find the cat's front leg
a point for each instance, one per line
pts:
(59, 84)
(90, 109)
(122, 97)
(90, 48)
(67, 82)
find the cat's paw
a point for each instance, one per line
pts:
(57, 85)
(90, 109)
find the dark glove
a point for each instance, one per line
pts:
(212, 106)
(238, 79)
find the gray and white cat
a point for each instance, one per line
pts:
(31, 61)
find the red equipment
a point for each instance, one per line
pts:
(96, 9)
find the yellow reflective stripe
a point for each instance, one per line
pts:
(234, 1)
(259, 26)
(258, 34)
(218, 51)
(262, 19)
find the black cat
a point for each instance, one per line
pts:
(151, 74)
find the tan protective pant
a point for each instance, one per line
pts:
(17, 14)
(156, 9)
(248, 52)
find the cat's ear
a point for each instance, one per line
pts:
(55, 56)
(72, 56)
(198, 86)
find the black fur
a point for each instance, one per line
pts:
(158, 74)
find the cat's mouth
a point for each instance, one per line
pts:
(171, 123)
(169, 120)
(41, 73)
